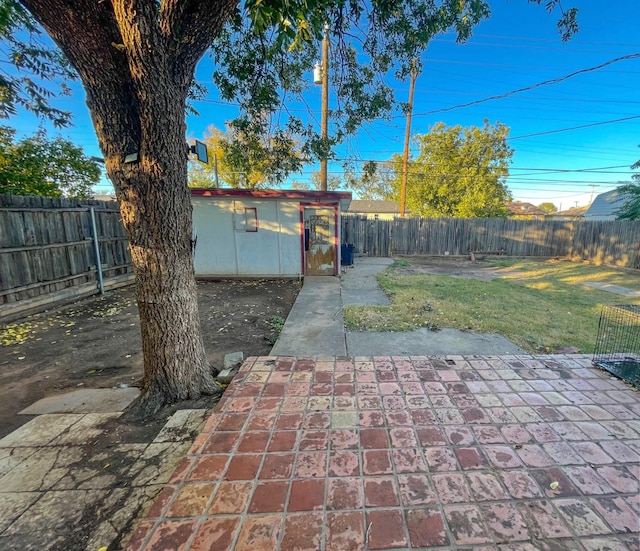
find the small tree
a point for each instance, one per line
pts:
(374, 182)
(549, 208)
(245, 159)
(36, 165)
(630, 210)
(458, 173)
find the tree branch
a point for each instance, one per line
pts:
(190, 26)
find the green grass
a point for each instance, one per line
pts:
(542, 308)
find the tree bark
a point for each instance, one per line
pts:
(136, 60)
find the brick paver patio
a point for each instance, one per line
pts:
(484, 453)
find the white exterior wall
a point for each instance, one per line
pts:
(225, 249)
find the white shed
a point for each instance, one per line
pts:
(267, 233)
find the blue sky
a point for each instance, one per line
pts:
(516, 48)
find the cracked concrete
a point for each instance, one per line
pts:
(64, 485)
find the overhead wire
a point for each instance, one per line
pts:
(531, 87)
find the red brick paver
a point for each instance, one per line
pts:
(490, 454)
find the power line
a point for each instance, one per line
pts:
(574, 128)
(531, 87)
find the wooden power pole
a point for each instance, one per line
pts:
(325, 106)
(407, 137)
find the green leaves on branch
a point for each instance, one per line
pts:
(458, 173)
(549, 208)
(246, 160)
(37, 70)
(630, 210)
(568, 22)
(38, 166)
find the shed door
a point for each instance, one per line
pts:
(319, 241)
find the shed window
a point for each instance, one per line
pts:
(246, 219)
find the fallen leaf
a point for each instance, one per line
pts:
(554, 485)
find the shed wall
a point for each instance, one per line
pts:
(229, 245)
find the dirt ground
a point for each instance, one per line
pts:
(95, 343)
(456, 266)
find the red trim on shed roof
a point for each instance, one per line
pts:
(274, 193)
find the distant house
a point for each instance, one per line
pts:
(378, 210)
(575, 213)
(519, 209)
(605, 205)
(105, 197)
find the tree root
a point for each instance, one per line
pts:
(155, 398)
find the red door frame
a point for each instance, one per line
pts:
(335, 207)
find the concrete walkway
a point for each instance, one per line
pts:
(315, 325)
(517, 453)
(611, 288)
(359, 284)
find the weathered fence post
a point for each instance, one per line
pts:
(96, 249)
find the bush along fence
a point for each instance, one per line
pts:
(615, 243)
(54, 249)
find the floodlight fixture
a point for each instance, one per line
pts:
(200, 151)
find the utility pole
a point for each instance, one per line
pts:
(325, 106)
(215, 168)
(407, 137)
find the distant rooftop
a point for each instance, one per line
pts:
(575, 212)
(526, 209)
(373, 207)
(605, 205)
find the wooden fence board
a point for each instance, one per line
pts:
(46, 245)
(608, 242)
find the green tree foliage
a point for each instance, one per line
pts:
(375, 181)
(630, 210)
(33, 70)
(246, 160)
(334, 183)
(549, 208)
(36, 165)
(458, 173)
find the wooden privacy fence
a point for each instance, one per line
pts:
(55, 249)
(610, 242)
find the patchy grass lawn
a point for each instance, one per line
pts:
(539, 305)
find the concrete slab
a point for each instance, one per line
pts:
(39, 431)
(359, 285)
(86, 430)
(610, 288)
(13, 505)
(42, 470)
(86, 400)
(10, 458)
(315, 326)
(51, 520)
(180, 424)
(59, 489)
(365, 297)
(422, 342)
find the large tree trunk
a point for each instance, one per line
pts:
(136, 60)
